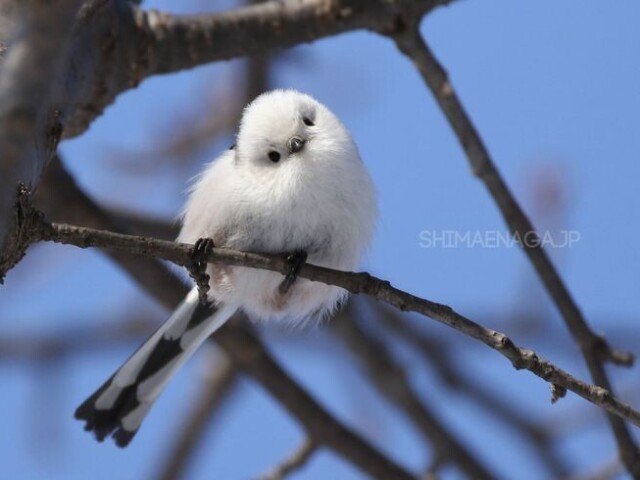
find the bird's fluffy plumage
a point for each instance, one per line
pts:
(320, 200)
(269, 194)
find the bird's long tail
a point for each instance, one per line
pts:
(118, 407)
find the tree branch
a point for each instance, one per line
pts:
(296, 461)
(180, 254)
(119, 45)
(29, 125)
(258, 29)
(594, 348)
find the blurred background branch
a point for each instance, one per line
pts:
(594, 348)
(296, 461)
(454, 409)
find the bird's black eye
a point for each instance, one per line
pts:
(274, 156)
(307, 121)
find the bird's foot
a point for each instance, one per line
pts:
(294, 260)
(198, 267)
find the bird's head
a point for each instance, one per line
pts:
(284, 126)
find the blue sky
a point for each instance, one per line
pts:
(552, 87)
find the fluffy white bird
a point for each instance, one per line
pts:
(293, 182)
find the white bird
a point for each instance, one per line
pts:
(293, 182)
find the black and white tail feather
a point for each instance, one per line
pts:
(119, 406)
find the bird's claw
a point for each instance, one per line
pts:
(294, 260)
(198, 267)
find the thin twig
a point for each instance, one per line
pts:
(180, 254)
(594, 348)
(295, 462)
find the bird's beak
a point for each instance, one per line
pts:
(295, 144)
